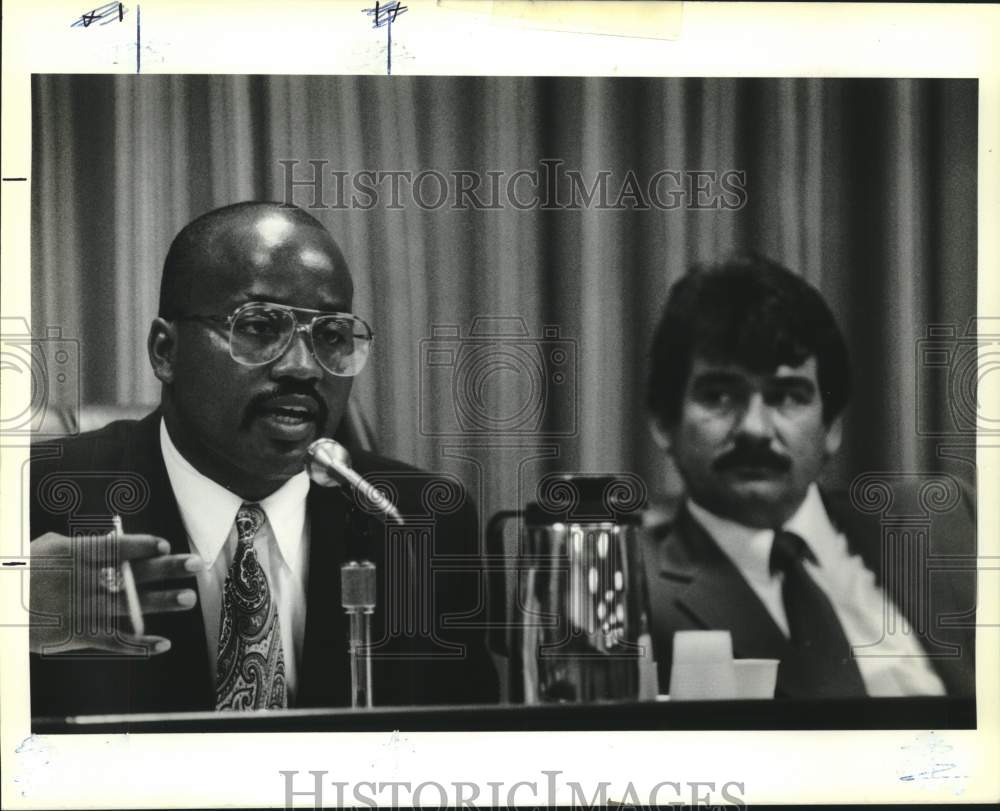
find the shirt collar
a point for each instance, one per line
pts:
(208, 510)
(749, 548)
(812, 523)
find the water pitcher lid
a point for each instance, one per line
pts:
(565, 498)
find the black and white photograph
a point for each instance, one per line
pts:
(502, 404)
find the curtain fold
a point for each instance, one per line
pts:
(865, 187)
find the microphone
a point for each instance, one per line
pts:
(329, 464)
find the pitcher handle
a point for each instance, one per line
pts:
(499, 633)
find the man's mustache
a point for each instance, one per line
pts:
(259, 402)
(753, 456)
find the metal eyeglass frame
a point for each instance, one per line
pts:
(229, 320)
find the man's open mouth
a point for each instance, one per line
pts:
(289, 417)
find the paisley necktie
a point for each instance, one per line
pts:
(251, 665)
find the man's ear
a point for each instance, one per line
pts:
(162, 348)
(661, 435)
(834, 435)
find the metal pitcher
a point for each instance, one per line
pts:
(580, 613)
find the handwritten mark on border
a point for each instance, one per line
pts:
(383, 16)
(103, 15)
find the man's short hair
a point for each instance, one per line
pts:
(750, 311)
(185, 254)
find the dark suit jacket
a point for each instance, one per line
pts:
(425, 655)
(693, 585)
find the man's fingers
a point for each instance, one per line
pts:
(52, 551)
(158, 602)
(134, 547)
(152, 644)
(131, 645)
(166, 567)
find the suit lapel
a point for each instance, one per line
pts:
(705, 584)
(183, 673)
(698, 586)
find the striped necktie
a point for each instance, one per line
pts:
(251, 665)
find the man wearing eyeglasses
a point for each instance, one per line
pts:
(233, 556)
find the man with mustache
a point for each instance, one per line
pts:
(748, 380)
(235, 553)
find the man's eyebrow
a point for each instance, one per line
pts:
(792, 383)
(789, 381)
(717, 376)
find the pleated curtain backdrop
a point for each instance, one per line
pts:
(865, 187)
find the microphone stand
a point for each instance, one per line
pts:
(357, 589)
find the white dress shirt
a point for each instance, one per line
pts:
(208, 511)
(898, 666)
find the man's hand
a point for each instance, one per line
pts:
(72, 606)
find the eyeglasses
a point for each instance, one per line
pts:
(261, 332)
